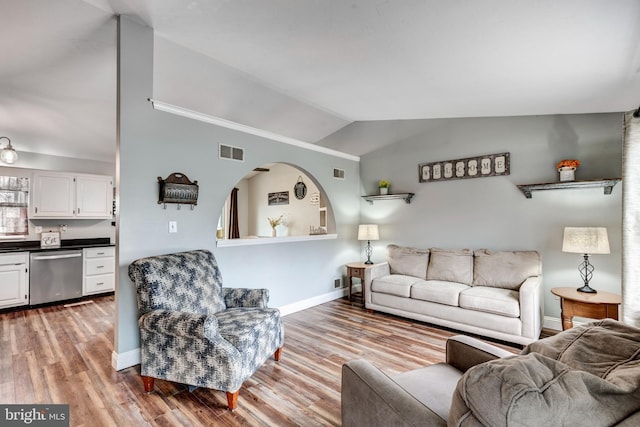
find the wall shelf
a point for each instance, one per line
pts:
(404, 196)
(606, 184)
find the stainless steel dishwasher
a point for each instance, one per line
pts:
(55, 276)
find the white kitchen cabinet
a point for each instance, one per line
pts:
(14, 279)
(69, 195)
(98, 270)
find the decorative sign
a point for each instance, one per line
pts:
(471, 167)
(314, 198)
(50, 239)
(300, 189)
(279, 198)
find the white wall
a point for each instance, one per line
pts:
(299, 214)
(491, 212)
(148, 144)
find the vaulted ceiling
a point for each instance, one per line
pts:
(315, 70)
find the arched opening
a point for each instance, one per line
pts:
(277, 194)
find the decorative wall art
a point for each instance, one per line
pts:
(279, 198)
(300, 189)
(470, 167)
(177, 188)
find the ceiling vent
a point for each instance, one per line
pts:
(231, 153)
(338, 173)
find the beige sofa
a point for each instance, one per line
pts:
(496, 294)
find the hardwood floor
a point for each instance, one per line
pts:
(63, 355)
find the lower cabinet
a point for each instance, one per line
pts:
(14, 279)
(98, 270)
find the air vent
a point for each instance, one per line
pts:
(231, 153)
(338, 173)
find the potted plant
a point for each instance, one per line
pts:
(383, 187)
(567, 169)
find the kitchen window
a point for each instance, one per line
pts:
(14, 206)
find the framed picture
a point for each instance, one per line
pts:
(470, 167)
(279, 198)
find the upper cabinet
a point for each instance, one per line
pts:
(68, 195)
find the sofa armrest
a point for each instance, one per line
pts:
(245, 297)
(532, 307)
(465, 352)
(179, 324)
(370, 398)
(371, 273)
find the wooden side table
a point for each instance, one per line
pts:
(355, 270)
(594, 306)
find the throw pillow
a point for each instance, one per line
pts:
(451, 265)
(408, 261)
(505, 269)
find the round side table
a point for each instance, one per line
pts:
(594, 306)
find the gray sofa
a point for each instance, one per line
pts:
(588, 375)
(496, 294)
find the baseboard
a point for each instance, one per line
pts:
(130, 358)
(312, 302)
(555, 323)
(124, 360)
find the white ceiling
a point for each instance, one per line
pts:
(308, 68)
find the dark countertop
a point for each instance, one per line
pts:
(34, 245)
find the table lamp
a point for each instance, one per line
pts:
(586, 240)
(368, 232)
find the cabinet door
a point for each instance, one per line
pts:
(94, 196)
(13, 285)
(53, 195)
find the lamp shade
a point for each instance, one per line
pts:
(368, 232)
(586, 240)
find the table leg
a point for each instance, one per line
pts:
(566, 314)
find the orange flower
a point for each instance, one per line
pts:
(568, 164)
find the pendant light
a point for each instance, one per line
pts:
(8, 154)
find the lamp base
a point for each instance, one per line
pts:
(587, 289)
(371, 262)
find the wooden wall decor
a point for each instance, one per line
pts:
(178, 189)
(470, 167)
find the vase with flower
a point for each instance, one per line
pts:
(567, 169)
(274, 222)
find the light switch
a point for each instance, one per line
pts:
(173, 226)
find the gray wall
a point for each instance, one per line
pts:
(154, 144)
(492, 212)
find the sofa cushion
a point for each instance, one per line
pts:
(438, 291)
(394, 284)
(451, 265)
(408, 261)
(432, 385)
(491, 300)
(505, 269)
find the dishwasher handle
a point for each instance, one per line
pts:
(45, 257)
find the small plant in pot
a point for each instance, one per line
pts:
(383, 187)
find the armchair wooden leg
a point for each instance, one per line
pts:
(277, 354)
(232, 399)
(148, 383)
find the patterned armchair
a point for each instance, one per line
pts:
(194, 331)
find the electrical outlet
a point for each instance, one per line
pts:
(173, 226)
(62, 228)
(38, 229)
(337, 283)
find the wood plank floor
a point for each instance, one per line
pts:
(63, 355)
